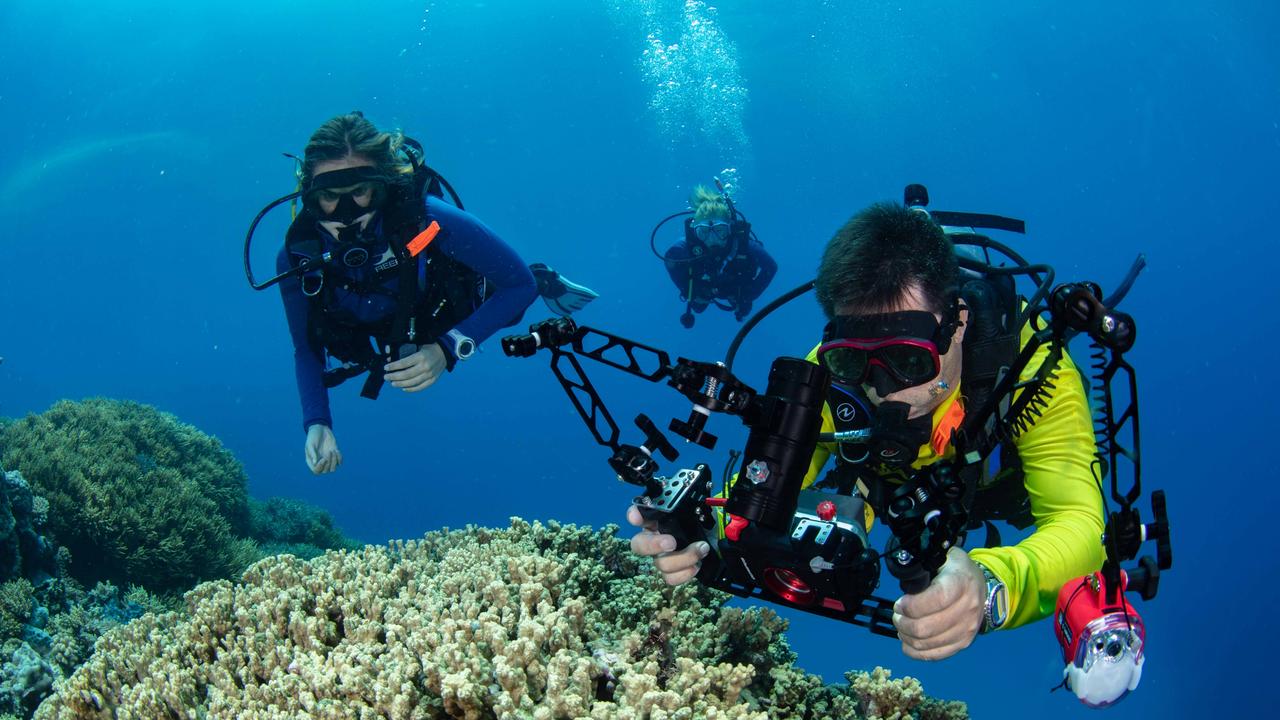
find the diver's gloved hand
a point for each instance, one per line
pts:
(563, 296)
(677, 568)
(321, 449)
(687, 319)
(742, 310)
(417, 371)
(943, 619)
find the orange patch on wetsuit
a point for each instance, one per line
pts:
(423, 239)
(950, 421)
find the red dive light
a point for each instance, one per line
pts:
(1102, 640)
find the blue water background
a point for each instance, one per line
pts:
(137, 139)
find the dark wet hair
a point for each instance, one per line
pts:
(352, 134)
(878, 253)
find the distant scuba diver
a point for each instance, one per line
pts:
(720, 261)
(380, 273)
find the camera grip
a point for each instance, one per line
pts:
(677, 505)
(684, 529)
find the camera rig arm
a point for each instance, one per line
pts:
(1075, 308)
(771, 540)
(1079, 307)
(710, 386)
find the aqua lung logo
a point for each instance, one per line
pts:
(846, 412)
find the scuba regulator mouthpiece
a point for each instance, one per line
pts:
(896, 439)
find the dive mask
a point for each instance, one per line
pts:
(712, 232)
(708, 236)
(890, 351)
(357, 192)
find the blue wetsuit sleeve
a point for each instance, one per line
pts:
(308, 365)
(472, 243)
(766, 266)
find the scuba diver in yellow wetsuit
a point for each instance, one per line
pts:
(948, 402)
(924, 345)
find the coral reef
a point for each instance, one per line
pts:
(51, 630)
(134, 494)
(24, 552)
(285, 525)
(16, 605)
(145, 499)
(25, 678)
(532, 621)
(882, 698)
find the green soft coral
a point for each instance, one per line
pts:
(136, 495)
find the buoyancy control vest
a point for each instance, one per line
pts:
(433, 292)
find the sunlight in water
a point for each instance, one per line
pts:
(691, 67)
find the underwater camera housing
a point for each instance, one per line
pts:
(771, 540)
(819, 562)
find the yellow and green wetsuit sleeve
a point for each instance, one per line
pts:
(1057, 452)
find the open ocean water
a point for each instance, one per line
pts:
(138, 138)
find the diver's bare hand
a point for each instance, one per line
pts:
(321, 450)
(943, 619)
(677, 568)
(417, 371)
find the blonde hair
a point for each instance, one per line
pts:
(707, 203)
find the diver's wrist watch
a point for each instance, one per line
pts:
(997, 603)
(460, 346)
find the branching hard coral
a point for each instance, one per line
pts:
(281, 525)
(134, 494)
(16, 604)
(884, 698)
(470, 624)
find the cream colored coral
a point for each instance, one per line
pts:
(465, 625)
(885, 698)
(536, 621)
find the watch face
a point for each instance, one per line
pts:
(463, 346)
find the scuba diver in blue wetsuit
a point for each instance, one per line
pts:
(384, 276)
(720, 261)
